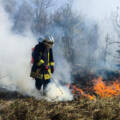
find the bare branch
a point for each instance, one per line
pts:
(117, 19)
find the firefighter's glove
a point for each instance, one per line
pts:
(52, 69)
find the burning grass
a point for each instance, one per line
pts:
(98, 102)
(103, 90)
(99, 88)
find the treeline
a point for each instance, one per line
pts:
(77, 38)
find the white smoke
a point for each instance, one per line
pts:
(56, 92)
(15, 51)
(97, 10)
(15, 56)
(103, 16)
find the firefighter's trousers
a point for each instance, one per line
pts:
(40, 82)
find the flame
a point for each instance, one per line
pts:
(80, 92)
(104, 90)
(100, 88)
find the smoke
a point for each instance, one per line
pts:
(96, 12)
(15, 57)
(56, 92)
(86, 31)
(88, 35)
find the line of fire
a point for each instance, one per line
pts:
(103, 83)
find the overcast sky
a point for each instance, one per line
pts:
(96, 9)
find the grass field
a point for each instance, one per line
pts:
(14, 106)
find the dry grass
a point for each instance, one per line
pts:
(18, 107)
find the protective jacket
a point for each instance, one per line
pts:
(42, 57)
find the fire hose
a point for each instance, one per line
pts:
(57, 85)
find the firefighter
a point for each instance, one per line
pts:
(43, 62)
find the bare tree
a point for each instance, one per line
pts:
(79, 40)
(117, 18)
(31, 14)
(65, 19)
(40, 20)
(23, 18)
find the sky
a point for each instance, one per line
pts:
(96, 9)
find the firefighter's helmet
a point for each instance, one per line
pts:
(48, 39)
